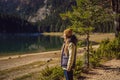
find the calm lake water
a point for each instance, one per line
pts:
(28, 43)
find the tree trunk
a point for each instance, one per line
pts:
(116, 11)
(88, 50)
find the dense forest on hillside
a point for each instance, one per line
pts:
(52, 22)
(14, 24)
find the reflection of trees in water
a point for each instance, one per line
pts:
(10, 44)
(15, 43)
(50, 42)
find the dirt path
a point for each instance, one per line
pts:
(109, 71)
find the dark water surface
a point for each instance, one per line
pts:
(28, 43)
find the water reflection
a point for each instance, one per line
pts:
(28, 43)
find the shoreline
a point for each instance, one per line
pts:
(37, 53)
(26, 54)
(97, 40)
(19, 60)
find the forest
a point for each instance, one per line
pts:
(14, 24)
(11, 22)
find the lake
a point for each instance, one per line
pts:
(28, 43)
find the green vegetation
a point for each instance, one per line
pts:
(83, 19)
(56, 73)
(78, 68)
(53, 73)
(102, 18)
(108, 50)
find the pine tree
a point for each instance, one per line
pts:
(83, 18)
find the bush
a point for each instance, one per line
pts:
(57, 73)
(94, 60)
(47, 71)
(53, 73)
(107, 51)
(78, 67)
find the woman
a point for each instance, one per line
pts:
(68, 56)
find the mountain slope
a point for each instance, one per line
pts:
(22, 8)
(33, 10)
(41, 13)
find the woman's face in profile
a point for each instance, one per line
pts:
(64, 36)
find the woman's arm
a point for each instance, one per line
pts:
(71, 49)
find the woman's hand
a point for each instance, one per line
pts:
(68, 69)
